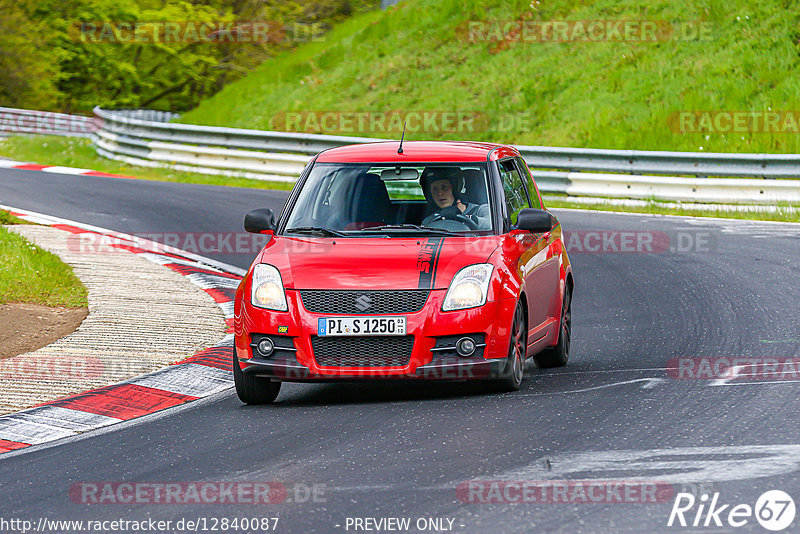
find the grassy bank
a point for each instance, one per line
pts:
(421, 55)
(32, 275)
(79, 152)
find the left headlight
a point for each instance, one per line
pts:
(266, 290)
(469, 287)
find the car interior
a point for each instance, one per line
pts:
(348, 200)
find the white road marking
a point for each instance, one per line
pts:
(66, 418)
(660, 465)
(605, 371)
(227, 308)
(9, 163)
(15, 428)
(649, 384)
(736, 370)
(654, 382)
(164, 260)
(65, 170)
(188, 379)
(47, 423)
(211, 281)
(758, 383)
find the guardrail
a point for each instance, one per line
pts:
(25, 121)
(210, 149)
(147, 138)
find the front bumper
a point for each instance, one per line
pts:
(289, 370)
(493, 320)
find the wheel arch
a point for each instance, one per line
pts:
(524, 299)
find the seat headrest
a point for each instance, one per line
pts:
(475, 187)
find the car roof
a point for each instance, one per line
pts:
(417, 151)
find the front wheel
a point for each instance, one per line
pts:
(252, 389)
(515, 363)
(557, 356)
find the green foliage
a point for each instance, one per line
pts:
(30, 274)
(28, 74)
(604, 94)
(57, 62)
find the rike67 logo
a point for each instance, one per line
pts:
(774, 510)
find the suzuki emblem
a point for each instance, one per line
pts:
(363, 303)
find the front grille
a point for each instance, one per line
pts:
(378, 351)
(363, 302)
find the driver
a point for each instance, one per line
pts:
(442, 185)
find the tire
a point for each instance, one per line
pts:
(557, 356)
(515, 363)
(252, 389)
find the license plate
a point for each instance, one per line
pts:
(361, 326)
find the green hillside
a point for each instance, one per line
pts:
(606, 93)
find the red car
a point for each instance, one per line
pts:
(424, 260)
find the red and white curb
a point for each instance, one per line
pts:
(56, 169)
(204, 374)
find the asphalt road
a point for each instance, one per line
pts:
(709, 289)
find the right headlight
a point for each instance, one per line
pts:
(469, 287)
(266, 290)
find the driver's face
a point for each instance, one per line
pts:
(442, 193)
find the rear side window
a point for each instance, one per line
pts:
(533, 191)
(516, 199)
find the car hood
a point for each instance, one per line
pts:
(374, 263)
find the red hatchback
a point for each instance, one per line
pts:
(431, 261)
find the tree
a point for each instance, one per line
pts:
(29, 69)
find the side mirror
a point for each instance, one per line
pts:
(260, 221)
(535, 221)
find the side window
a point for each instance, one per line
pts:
(533, 191)
(516, 199)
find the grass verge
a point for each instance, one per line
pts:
(79, 152)
(32, 275)
(7, 218)
(791, 213)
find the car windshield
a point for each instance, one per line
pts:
(419, 198)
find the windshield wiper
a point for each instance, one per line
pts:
(407, 227)
(318, 230)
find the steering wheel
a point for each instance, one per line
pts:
(466, 221)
